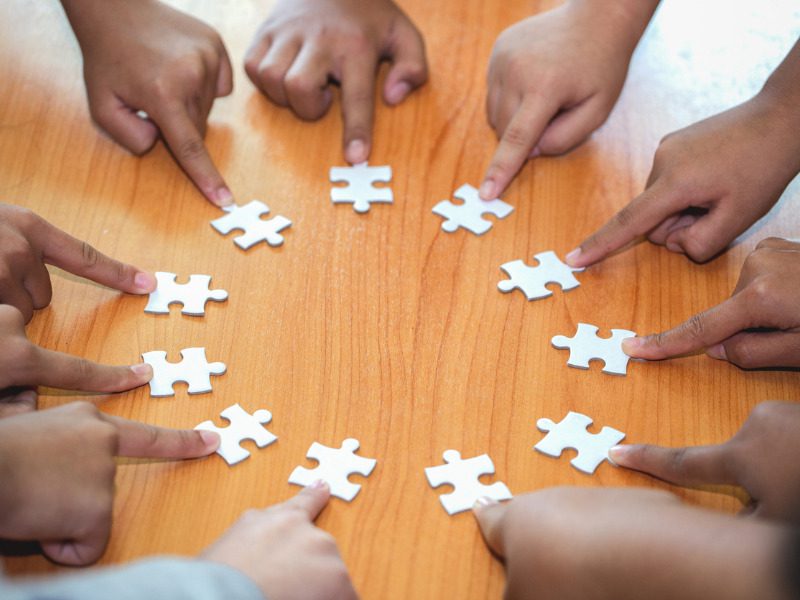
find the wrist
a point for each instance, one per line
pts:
(627, 19)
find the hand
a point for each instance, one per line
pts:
(709, 183)
(58, 472)
(146, 56)
(757, 327)
(306, 44)
(554, 78)
(282, 551)
(24, 365)
(761, 458)
(28, 243)
(576, 543)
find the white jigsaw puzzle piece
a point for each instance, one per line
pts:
(192, 295)
(243, 426)
(335, 465)
(532, 280)
(360, 191)
(469, 214)
(585, 346)
(248, 219)
(463, 476)
(194, 369)
(571, 432)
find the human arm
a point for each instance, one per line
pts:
(714, 179)
(304, 45)
(145, 56)
(580, 543)
(554, 78)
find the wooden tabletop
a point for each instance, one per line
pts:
(381, 326)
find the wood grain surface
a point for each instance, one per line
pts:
(382, 327)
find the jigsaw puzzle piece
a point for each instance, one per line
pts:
(243, 426)
(464, 475)
(533, 280)
(586, 345)
(361, 191)
(194, 370)
(469, 214)
(572, 432)
(335, 465)
(192, 295)
(254, 228)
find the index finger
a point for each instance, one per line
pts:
(64, 371)
(148, 441)
(187, 146)
(66, 252)
(639, 217)
(519, 138)
(310, 500)
(697, 465)
(489, 515)
(358, 106)
(703, 330)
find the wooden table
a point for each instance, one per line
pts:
(382, 327)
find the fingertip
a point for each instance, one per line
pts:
(488, 190)
(632, 346)
(620, 455)
(356, 151)
(573, 258)
(211, 440)
(142, 372)
(397, 92)
(221, 197)
(144, 282)
(481, 504)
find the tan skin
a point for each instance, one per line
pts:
(757, 327)
(282, 551)
(631, 543)
(554, 78)
(305, 45)
(58, 468)
(27, 244)
(146, 56)
(606, 543)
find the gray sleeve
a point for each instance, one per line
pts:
(163, 577)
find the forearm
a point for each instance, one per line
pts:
(629, 17)
(782, 95)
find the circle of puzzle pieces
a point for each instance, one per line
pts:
(464, 475)
(255, 229)
(533, 280)
(243, 426)
(192, 295)
(469, 214)
(571, 432)
(335, 465)
(194, 370)
(361, 191)
(586, 346)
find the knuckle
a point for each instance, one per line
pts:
(190, 149)
(300, 85)
(625, 218)
(769, 242)
(89, 255)
(741, 354)
(700, 250)
(516, 136)
(695, 327)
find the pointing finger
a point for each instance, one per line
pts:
(148, 441)
(489, 515)
(698, 465)
(516, 144)
(358, 106)
(310, 500)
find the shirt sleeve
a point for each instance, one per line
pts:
(162, 577)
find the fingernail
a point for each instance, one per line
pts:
(572, 257)
(483, 502)
(144, 282)
(398, 92)
(211, 439)
(717, 352)
(487, 190)
(143, 370)
(319, 484)
(356, 152)
(222, 196)
(617, 454)
(631, 345)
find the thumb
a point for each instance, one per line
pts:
(489, 514)
(17, 401)
(409, 68)
(80, 552)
